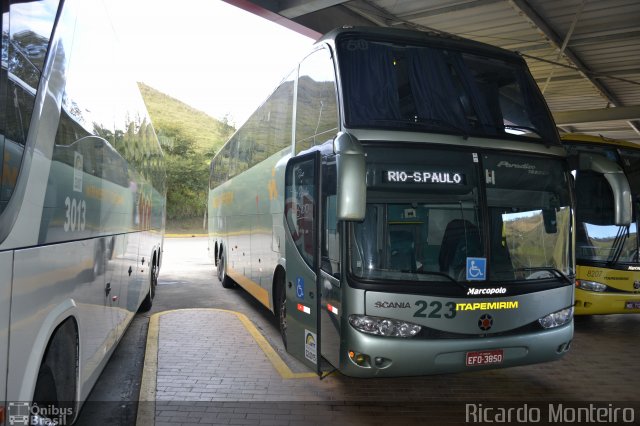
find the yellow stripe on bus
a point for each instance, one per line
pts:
(253, 288)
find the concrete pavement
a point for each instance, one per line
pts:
(213, 366)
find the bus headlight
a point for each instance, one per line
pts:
(384, 326)
(557, 319)
(590, 285)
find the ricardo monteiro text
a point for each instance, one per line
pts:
(552, 413)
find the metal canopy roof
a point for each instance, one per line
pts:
(584, 54)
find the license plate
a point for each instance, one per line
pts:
(494, 356)
(632, 305)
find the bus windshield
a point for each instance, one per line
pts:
(425, 88)
(524, 234)
(598, 239)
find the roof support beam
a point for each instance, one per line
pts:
(597, 115)
(556, 40)
(267, 9)
(294, 8)
(565, 42)
(445, 9)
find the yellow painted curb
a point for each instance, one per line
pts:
(147, 399)
(282, 368)
(148, 385)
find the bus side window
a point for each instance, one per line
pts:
(245, 144)
(221, 166)
(330, 259)
(233, 154)
(25, 43)
(316, 110)
(273, 123)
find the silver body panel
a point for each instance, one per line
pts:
(460, 315)
(52, 269)
(6, 272)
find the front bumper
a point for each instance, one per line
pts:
(594, 303)
(414, 357)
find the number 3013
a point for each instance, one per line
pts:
(75, 214)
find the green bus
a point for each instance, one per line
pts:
(402, 203)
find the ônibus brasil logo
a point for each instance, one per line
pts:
(23, 413)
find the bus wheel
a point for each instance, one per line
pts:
(282, 312)
(99, 259)
(147, 303)
(45, 395)
(222, 273)
(56, 382)
(45, 392)
(154, 278)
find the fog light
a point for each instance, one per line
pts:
(384, 326)
(590, 286)
(557, 319)
(362, 360)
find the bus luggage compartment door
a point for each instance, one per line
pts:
(302, 253)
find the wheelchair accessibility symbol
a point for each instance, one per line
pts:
(300, 287)
(476, 268)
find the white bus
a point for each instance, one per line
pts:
(403, 205)
(82, 204)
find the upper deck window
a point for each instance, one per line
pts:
(425, 88)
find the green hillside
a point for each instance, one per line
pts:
(170, 115)
(189, 139)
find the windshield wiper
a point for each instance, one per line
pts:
(550, 269)
(426, 122)
(439, 274)
(443, 125)
(618, 245)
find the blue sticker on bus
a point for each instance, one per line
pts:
(476, 268)
(300, 287)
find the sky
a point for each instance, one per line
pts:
(211, 55)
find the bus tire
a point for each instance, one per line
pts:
(45, 392)
(281, 310)
(147, 303)
(57, 375)
(99, 259)
(222, 272)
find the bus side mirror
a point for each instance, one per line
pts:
(617, 181)
(350, 177)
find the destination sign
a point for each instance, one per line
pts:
(410, 176)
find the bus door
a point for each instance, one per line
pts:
(302, 251)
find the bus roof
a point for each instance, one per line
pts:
(597, 140)
(434, 38)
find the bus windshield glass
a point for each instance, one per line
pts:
(519, 229)
(598, 239)
(427, 88)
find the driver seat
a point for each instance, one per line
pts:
(461, 239)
